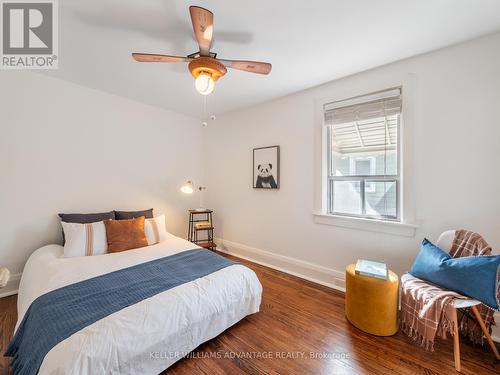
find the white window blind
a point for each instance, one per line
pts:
(363, 155)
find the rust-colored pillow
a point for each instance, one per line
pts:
(125, 234)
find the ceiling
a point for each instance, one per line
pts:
(308, 43)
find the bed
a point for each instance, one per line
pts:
(146, 337)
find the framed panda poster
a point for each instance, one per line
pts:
(266, 167)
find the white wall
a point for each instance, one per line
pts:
(456, 135)
(67, 148)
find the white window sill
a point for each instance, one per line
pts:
(388, 227)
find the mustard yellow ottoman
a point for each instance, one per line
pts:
(372, 304)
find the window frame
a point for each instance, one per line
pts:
(352, 87)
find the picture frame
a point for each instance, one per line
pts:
(266, 167)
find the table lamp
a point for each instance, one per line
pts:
(188, 188)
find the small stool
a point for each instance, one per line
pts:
(371, 304)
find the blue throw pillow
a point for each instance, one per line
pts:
(475, 276)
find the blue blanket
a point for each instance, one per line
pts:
(57, 315)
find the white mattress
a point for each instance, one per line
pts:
(151, 335)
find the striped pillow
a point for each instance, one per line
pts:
(155, 230)
(84, 239)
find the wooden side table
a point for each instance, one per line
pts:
(197, 216)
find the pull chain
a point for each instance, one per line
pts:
(204, 122)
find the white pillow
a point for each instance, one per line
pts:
(84, 239)
(155, 229)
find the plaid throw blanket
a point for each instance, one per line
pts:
(426, 309)
(467, 243)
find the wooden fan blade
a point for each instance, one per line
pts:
(151, 57)
(203, 26)
(248, 66)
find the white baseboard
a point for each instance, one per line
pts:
(11, 287)
(309, 271)
(300, 268)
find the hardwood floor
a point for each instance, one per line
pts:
(8, 318)
(299, 320)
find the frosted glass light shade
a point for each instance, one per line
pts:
(204, 84)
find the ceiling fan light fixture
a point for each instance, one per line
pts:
(206, 70)
(203, 65)
(204, 84)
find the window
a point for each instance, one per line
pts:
(363, 156)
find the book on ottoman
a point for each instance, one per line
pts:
(371, 268)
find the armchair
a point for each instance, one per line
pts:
(445, 242)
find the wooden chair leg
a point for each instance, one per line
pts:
(485, 331)
(456, 340)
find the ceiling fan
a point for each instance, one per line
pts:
(203, 65)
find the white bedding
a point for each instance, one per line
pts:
(151, 335)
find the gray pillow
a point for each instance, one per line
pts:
(87, 218)
(124, 215)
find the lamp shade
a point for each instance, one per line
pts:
(204, 84)
(188, 187)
